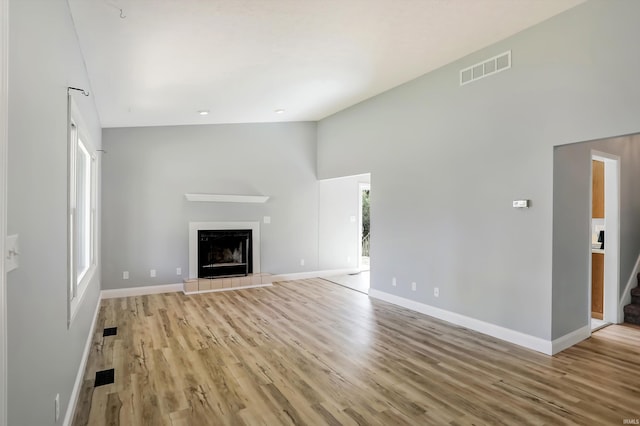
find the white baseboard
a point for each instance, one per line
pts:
(570, 339)
(140, 291)
(626, 295)
(314, 274)
(512, 336)
(75, 393)
(217, 290)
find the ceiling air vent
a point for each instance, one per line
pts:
(486, 68)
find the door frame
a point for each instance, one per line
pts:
(612, 235)
(4, 137)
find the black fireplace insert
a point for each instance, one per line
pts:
(225, 253)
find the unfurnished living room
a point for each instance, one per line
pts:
(308, 212)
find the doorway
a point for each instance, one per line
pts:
(605, 240)
(344, 230)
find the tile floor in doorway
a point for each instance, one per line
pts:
(358, 281)
(597, 324)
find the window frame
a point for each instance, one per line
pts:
(78, 139)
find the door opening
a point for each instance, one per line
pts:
(605, 240)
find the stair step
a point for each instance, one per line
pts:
(635, 291)
(630, 319)
(632, 308)
(632, 313)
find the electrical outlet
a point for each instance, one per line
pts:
(57, 406)
(436, 292)
(125, 275)
(301, 262)
(152, 273)
(266, 219)
(178, 271)
(352, 219)
(394, 282)
(413, 286)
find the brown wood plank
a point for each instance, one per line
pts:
(310, 352)
(597, 285)
(598, 189)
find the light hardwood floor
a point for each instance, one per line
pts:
(312, 352)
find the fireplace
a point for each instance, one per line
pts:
(223, 249)
(225, 253)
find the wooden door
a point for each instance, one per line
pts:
(597, 285)
(598, 189)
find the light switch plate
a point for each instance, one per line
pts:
(266, 219)
(12, 253)
(521, 204)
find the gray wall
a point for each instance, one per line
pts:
(572, 224)
(43, 355)
(147, 171)
(448, 161)
(338, 236)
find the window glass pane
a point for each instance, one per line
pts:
(83, 211)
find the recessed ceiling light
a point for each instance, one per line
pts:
(203, 112)
(279, 111)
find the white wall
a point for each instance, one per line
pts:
(338, 236)
(43, 355)
(448, 161)
(4, 122)
(147, 171)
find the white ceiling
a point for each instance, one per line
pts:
(244, 59)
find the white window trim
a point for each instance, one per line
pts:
(4, 121)
(75, 293)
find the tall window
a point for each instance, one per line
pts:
(82, 210)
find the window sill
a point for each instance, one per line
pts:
(74, 305)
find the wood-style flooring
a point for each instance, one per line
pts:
(312, 352)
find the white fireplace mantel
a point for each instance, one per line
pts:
(227, 198)
(194, 227)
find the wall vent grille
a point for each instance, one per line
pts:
(486, 68)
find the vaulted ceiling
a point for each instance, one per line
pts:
(161, 62)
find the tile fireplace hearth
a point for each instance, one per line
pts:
(224, 256)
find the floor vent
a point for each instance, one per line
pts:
(104, 377)
(486, 68)
(110, 331)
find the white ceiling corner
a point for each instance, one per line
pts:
(241, 60)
